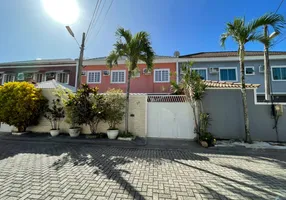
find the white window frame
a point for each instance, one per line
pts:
(36, 76)
(155, 70)
(68, 77)
(235, 68)
(253, 70)
(93, 72)
(14, 76)
(1, 83)
(111, 75)
(272, 72)
(206, 69)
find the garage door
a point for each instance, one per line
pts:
(170, 116)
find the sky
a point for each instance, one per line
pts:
(28, 32)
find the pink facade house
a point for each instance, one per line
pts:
(157, 81)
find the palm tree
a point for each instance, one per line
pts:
(242, 33)
(267, 41)
(133, 48)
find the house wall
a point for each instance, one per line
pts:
(258, 78)
(226, 112)
(137, 117)
(143, 84)
(43, 70)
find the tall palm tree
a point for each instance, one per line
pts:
(267, 41)
(134, 48)
(242, 33)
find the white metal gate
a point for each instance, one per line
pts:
(170, 116)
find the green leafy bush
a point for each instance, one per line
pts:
(55, 114)
(86, 107)
(21, 104)
(125, 135)
(114, 107)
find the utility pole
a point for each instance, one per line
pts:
(80, 61)
(266, 65)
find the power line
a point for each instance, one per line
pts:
(279, 6)
(92, 17)
(96, 20)
(103, 19)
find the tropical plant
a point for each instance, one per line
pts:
(242, 33)
(114, 107)
(55, 114)
(268, 40)
(133, 48)
(86, 107)
(21, 104)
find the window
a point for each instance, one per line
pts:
(94, 77)
(161, 75)
(279, 73)
(50, 76)
(249, 71)
(63, 77)
(1, 78)
(202, 72)
(39, 78)
(118, 76)
(28, 76)
(227, 74)
(9, 78)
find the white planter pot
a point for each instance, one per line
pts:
(126, 139)
(18, 133)
(112, 134)
(54, 132)
(74, 132)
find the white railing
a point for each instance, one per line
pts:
(166, 98)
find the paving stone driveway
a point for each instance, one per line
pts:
(80, 171)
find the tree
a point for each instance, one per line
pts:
(134, 48)
(87, 107)
(194, 88)
(243, 33)
(21, 104)
(267, 41)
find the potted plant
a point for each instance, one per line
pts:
(72, 118)
(55, 114)
(115, 103)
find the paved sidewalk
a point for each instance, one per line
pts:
(31, 170)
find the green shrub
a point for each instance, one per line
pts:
(114, 107)
(21, 104)
(55, 114)
(125, 135)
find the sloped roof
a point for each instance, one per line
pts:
(103, 58)
(229, 54)
(224, 84)
(53, 84)
(40, 62)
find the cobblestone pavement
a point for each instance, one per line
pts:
(79, 171)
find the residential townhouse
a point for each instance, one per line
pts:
(62, 70)
(224, 66)
(157, 81)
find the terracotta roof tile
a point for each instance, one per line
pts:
(223, 84)
(229, 54)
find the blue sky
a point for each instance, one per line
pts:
(189, 26)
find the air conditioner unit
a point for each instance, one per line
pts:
(214, 70)
(261, 69)
(20, 77)
(83, 73)
(146, 71)
(106, 72)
